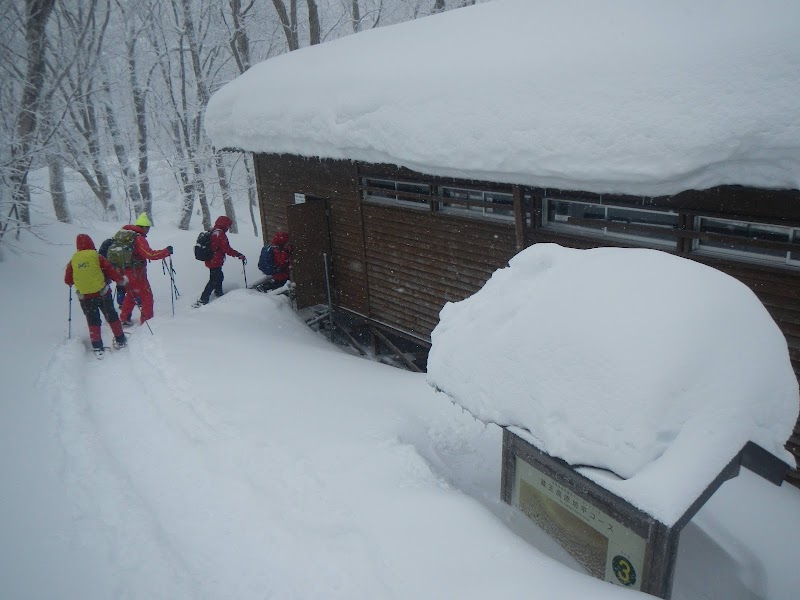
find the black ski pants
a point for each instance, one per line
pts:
(214, 284)
(92, 307)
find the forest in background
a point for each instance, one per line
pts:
(102, 90)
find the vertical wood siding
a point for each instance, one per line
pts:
(281, 176)
(418, 261)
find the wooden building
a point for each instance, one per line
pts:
(396, 245)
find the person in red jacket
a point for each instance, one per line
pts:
(282, 256)
(138, 286)
(220, 246)
(91, 274)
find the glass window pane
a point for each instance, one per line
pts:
(416, 188)
(656, 220)
(581, 215)
(383, 189)
(502, 204)
(561, 211)
(478, 202)
(744, 231)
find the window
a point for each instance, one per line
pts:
(753, 241)
(476, 202)
(402, 193)
(647, 226)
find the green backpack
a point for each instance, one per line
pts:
(120, 253)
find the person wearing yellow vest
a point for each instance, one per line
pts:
(138, 288)
(91, 274)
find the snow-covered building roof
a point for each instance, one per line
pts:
(651, 366)
(625, 96)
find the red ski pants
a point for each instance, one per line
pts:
(138, 288)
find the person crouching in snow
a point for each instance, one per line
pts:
(220, 246)
(91, 274)
(138, 287)
(276, 261)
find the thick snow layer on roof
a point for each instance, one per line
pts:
(652, 366)
(622, 96)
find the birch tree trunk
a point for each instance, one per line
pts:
(120, 149)
(227, 200)
(203, 97)
(58, 191)
(251, 190)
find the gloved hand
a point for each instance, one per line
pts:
(125, 280)
(170, 250)
(244, 260)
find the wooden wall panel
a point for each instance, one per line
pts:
(281, 176)
(417, 261)
(399, 266)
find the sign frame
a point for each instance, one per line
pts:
(660, 541)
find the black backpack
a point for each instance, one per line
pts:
(103, 251)
(266, 262)
(202, 248)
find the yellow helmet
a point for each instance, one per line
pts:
(143, 221)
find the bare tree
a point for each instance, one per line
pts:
(288, 21)
(58, 190)
(55, 167)
(203, 97)
(120, 149)
(82, 33)
(37, 14)
(239, 40)
(138, 17)
(355, 13)
(313, 22)
(182, 123)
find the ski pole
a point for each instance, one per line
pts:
(171, 285)
(139, 304)
(172, 274)
(69, 318)
(245, 275)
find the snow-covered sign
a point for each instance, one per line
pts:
(654, 369)
(643, 98)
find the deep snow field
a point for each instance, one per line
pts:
(236, 454)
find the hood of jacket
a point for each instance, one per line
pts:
(84, 242)
(136, 228)
(223, 223)
(281, 238)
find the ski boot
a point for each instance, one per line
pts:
(98, 349)
(120, 341)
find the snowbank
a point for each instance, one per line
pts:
(654, 367)
(620, 96)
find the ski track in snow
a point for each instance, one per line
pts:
(138, 441)
(118, 518)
